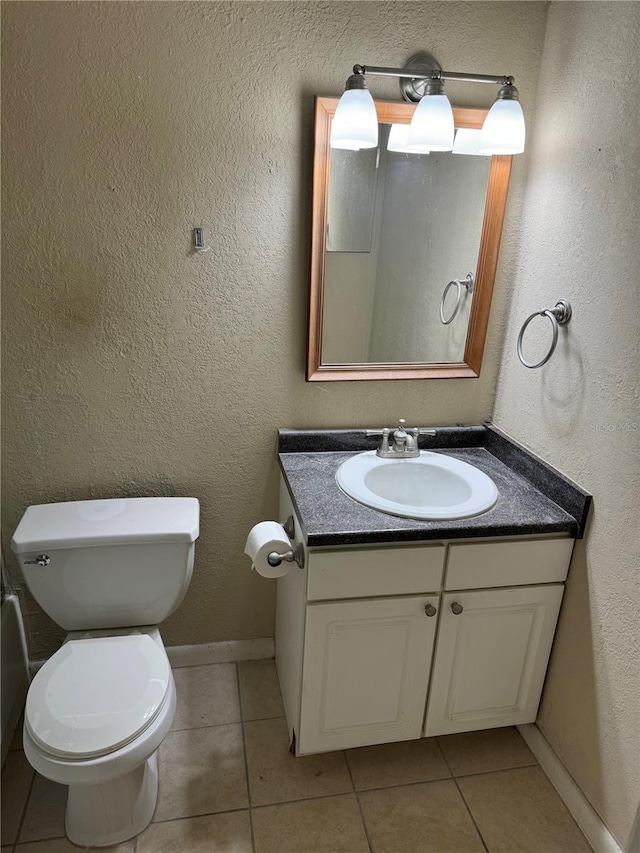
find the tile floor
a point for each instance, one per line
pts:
(228, 784)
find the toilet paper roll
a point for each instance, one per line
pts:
(263, 538)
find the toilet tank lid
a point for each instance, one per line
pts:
(119, 521)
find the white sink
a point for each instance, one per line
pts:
(431, 486)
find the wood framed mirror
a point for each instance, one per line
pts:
(392, 231)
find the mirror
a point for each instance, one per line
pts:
(404, 251)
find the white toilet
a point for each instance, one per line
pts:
(97, 711)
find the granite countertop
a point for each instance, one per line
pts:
(330, 517)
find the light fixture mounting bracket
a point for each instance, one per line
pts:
(411, 89)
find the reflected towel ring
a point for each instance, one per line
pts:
(467, 283)
(558, 316)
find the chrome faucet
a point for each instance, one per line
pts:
(404, 442)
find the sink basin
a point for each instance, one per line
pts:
(430, 487)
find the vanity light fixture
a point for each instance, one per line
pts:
(355, 122)
(503, 130)
(431, 128)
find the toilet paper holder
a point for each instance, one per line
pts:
(294, 554)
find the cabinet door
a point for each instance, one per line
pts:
(493, 649)
(366, 670)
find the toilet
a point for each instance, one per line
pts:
(108, 572)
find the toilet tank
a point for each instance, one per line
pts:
(108, 564)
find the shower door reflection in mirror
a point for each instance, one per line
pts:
(391, 230)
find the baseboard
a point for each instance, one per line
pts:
(224, 652)
(581, 809)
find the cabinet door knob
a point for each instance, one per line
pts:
(456, 608)
(430, 610)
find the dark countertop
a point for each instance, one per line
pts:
(330, 517)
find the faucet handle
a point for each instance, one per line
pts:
(384, 445)
(418, 431)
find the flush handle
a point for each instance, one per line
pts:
(430, 610)
(40, 560)
(456, 608)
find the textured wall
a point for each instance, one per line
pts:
(580, 241)
(133, 366)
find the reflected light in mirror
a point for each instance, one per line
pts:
(503, 131)
(467, 141)
(398, 136)
(355, 123)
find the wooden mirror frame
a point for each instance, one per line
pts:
(390, 112)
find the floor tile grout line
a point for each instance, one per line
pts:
(188, 817)
(248, 808)
(404, 784)
(209, 726)
(246, 761)
(471, 815)
(24, 809)
(353, 785)
(497, 770)
(264, 719)
(466, 805)
(303, 800)
(239, 687)
(241, 721)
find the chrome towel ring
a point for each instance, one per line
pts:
(558, 316)
(467, 283)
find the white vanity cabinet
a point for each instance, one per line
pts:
(393, 642)
(493, 648)
(365, 671)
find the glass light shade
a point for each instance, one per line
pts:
(355, 121)
(467, 141)
(398, 139)
(503, 130)
(431, 127)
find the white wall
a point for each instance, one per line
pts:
(579, 240)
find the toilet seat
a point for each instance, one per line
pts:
(96, 695)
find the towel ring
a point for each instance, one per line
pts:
(558, 316)
(467, 283)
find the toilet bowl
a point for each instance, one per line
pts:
(96, 713)
(99, 708)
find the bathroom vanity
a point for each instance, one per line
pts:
(396, 629)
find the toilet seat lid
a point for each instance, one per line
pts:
(96, 695)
